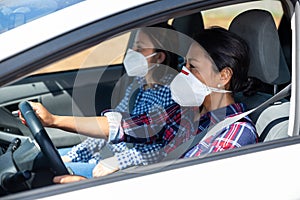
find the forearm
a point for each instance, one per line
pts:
(96, 127)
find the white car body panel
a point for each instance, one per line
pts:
(222, 179)
(74, 16)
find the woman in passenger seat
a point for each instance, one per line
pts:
(216, 68)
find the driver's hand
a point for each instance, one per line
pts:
(22, 118)
(68, 179)
(42, 113)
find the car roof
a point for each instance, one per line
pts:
(44, 24)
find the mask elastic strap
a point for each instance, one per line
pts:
(149, 56)
(219, 90)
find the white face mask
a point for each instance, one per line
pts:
(136, 63)
(187, 90)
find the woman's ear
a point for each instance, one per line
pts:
(161, 56)
(226, 75)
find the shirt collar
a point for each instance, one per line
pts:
(220, 114)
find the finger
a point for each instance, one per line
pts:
(34, 105)
(58, 179)
(21, 117)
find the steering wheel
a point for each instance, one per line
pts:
(42, 138)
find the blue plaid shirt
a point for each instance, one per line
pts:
(147, 100)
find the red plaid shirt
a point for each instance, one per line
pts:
(174, 125)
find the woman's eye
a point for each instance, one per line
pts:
(193, 69)
(192, 66)
(137, 48)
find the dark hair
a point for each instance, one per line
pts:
(227, 49)
(165, 39)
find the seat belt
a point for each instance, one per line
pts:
(182, 148)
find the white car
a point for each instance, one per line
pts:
(68, 55)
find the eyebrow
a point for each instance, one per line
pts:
(192, 59)
(138, 42)
(142, 44)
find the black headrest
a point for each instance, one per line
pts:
(267, 61)
(188, 25)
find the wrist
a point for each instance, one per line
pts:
(55, 121)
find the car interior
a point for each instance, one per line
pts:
(271, 74)
(263, 63)
(61, 93)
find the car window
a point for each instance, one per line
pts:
(213, 17)
(112, 51)
(107, 53)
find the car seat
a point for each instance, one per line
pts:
(189, 25)
(273, 120)
(267, 64)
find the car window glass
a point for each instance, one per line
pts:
(222, 16)
(106, 53)
(114, 48)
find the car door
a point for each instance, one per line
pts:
(264, 170)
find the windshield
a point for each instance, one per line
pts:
(14, 13)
